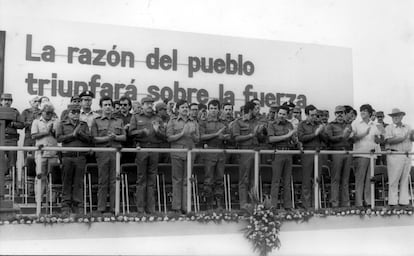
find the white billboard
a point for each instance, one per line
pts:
(60, 59)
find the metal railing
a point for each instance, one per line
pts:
(189, 152)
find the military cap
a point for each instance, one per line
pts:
(6, 96)
(161, 105)
(75, 97)
(339, 108)
(74, 107)
(87, 93)
(147, 99)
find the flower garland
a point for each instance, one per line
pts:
(262, 228)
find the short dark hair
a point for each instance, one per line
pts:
(193, 104)
(214, 103)
(348, 109)
(284, 107)
(124, 98)
(179, 103)
(366, 107)
(202, 106)
(228, 104)
(309, 108)
(249, 106)
(105, 98)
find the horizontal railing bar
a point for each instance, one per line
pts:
(199, 150)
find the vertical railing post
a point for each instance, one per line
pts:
(316, 180)
(256, 171)
(118, 176)
(371, 175)
(189, 170)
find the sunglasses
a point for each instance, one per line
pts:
(124, 105)
(49, 113)
(380, 116)
(74, 112)
(294, 112)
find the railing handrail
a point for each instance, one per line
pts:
(200, 150)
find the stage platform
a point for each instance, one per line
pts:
(331, 235)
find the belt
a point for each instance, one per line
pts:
(74, 154)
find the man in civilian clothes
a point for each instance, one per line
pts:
(148, 132)
(182, 132)
(338, 134)
(107, 131)
(364, 134)
(43, 132)
(212, 134)
(246, 131)
(124, 113)
(398, 137)
(310, 134)
(281, 136)
(72, 132)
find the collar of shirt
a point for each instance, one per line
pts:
(211, 119)
(84, 113)
(399, 126)
(105, 117)
(182, 117)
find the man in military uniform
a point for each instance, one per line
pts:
(161, 111)
(281, 133)
(148, 132)
(227, 116)
(124, 113)
(73, 100)
(107, 131)
(182, 132)
(310, 134)
(246, 131)
(28, 115)
(86, 114)
(212, 134)
(338, 134)
(72, 132)
(11, 134)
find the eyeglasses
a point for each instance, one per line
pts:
(294, 112)
(7, 99)
(124, 105)
(49, 113)
(339, 112)
(380, 116)
(74, 112)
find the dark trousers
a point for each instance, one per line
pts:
(179, 182)
(341, 168)
(246, 177)
(307, 177)
(147, 163)
(214, 173)
(106, 180)
(281, 167)
(11, 156)
(73, 171)
(362, 181)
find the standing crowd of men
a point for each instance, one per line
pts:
(183, 125)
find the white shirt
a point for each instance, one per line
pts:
(393, 131)
(366, 143)
(40, 125)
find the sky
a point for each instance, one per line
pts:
(379, 32)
